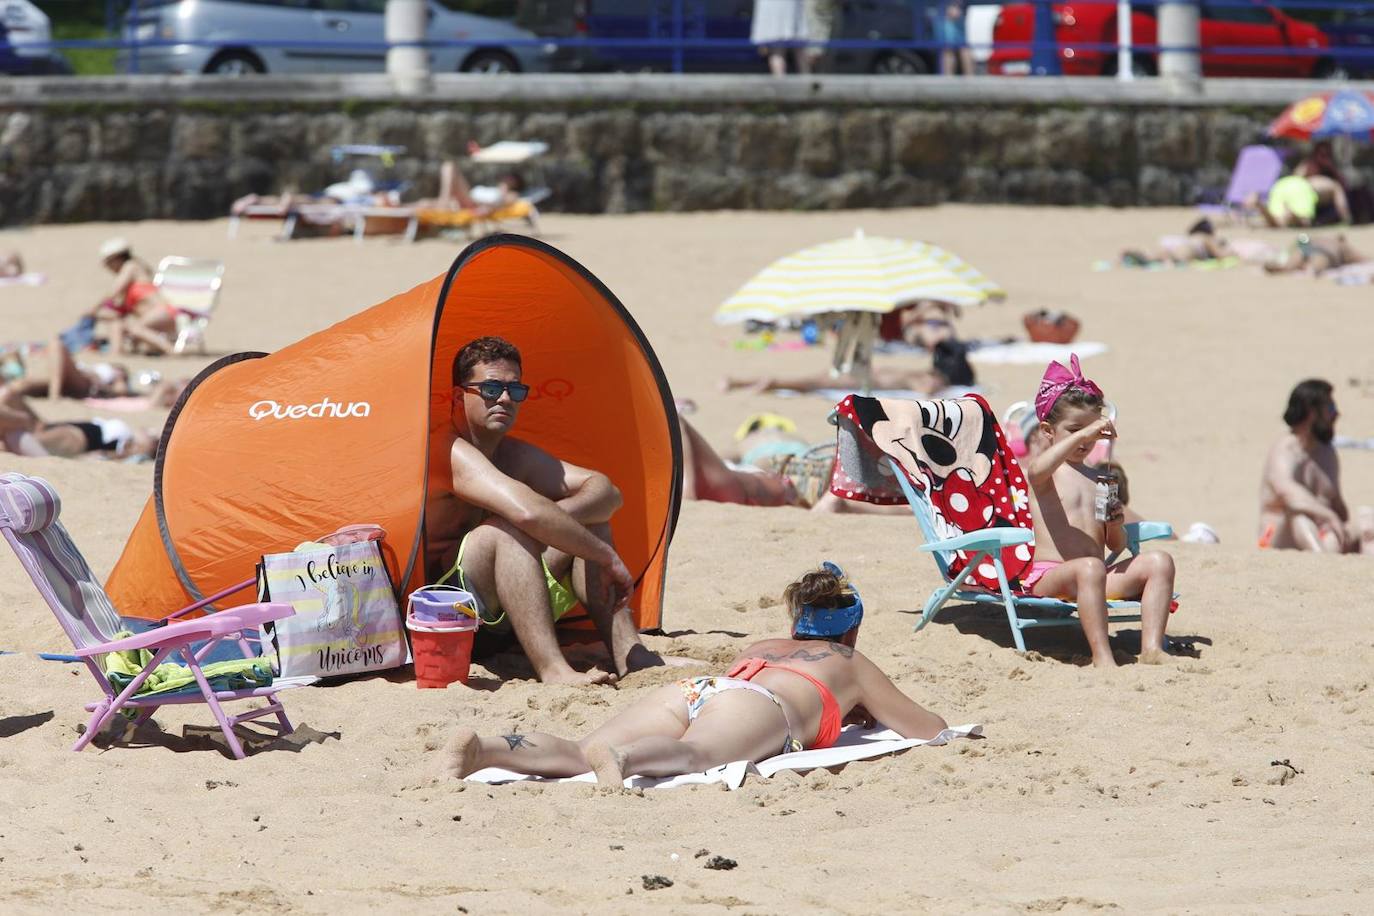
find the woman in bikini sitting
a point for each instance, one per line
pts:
(141, 316)
(779, 695)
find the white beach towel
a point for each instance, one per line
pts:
(839, 394)
(1023, 352)
(510, 152)
(24, 280)
(854, 743)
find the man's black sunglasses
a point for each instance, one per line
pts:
(491, 390)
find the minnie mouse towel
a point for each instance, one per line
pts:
(951, 450)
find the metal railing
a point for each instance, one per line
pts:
(681, 41)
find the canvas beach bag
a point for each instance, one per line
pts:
(346, 619)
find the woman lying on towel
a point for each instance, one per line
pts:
(779, 696)
(776, 467)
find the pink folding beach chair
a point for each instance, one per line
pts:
(29, 509)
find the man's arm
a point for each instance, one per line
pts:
(592, 499)
(886, 703)
(1283, 480)
(480, 483)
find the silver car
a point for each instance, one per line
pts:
(336, 36)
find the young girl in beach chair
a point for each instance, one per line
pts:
(779, 696)
(1071, 535)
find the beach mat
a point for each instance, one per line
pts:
(1026, 353)
(24, 280)
(119, 404)
(854, 743)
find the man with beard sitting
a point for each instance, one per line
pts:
(1301, 506)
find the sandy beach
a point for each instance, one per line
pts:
(1147, 789)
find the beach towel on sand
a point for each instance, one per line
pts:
(951, 450)
(854, 743)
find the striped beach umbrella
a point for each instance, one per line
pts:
(858, 274)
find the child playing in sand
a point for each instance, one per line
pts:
(1071, 535)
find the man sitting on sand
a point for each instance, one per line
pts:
(1300, 495)
(781, 695)
(1070, 537)
(526, 533)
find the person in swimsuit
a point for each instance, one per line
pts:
(527, 533)
(1200, 244)
(1301, 506)
(1069, 539)
(779, 695)
(139, 315)
(776, 468)
(24, 432)
(456, 194)
(67, 378)
(1315, 256)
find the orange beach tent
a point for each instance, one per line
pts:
(346, 426)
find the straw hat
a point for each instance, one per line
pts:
(114, 246)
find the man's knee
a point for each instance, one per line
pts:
(497, 532)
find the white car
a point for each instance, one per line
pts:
(236, 37)
(29, 33)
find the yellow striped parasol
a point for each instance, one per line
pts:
(858, 274)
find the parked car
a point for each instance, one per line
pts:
(27, 32)
(1351, 33)
(1223, 26)
(336, 36)
(589, 20)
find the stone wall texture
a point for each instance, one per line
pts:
(64, 162)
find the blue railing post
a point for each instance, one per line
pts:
(1045, 41)
(677, 36)
(132, 16)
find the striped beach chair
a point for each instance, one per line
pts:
(29, 510)
(191, 286)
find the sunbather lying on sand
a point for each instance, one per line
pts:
(456, 194)
(1315, 255)
(139, 316)
(1069, 537)
(66, 377)
(779, 695)
(949, 367)
(1200, 244)
(776, 468)
(1301, 506)
(23, 432)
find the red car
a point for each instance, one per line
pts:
(1257, 26)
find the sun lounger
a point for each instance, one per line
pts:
(1257, 168)
(979, 533)
(191, 286)
(29, 510)
(433, 220)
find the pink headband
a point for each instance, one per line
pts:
(1057, 380)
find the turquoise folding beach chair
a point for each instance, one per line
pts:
(1023, 611)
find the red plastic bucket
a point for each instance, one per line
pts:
(442, 656)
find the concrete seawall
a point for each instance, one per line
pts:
(184, 147)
